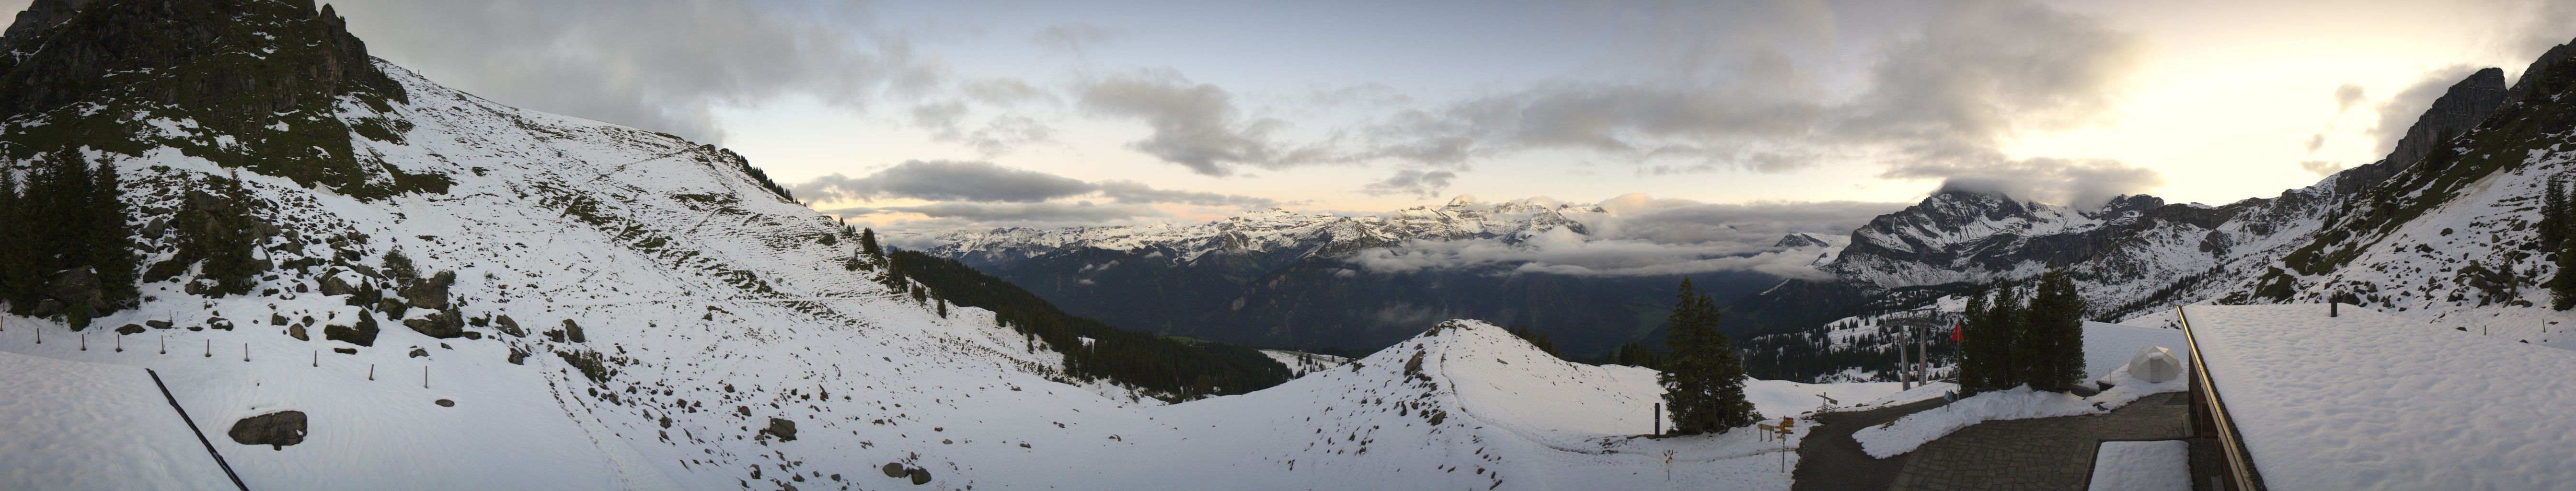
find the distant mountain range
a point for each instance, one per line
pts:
(2473, 161)
(1297, 280)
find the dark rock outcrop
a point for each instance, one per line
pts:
(276, 430)
(442, 324)
(76, 57)
(2466, 104)
(429, 293)
(783, 429)
(2533, 75)
(39, 15)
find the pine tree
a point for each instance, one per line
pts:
(868, 244)
(1635, 355)
(108, 244)
(1975, 364)
(1704, 377)
(2556, 226)
(218, 230)
(2553, 213)
(17, 257)
(1990, 341)
(2053, 330)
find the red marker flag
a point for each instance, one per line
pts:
(1957, 334)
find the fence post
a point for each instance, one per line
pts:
(84, 341)
(317, 358)
(424, 376)
(120, 343)
(210, 348)
(371, 371)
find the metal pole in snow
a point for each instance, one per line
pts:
(245, 352)
(424, 376)
(210, 348)
(371, 371)
(84, 341)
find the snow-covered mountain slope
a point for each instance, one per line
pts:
(588, 306)
(2446, 233)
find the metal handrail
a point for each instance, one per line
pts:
(2239, 463)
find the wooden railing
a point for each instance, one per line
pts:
(2240, 473)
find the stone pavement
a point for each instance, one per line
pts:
(1829, 460)
(2036, 454)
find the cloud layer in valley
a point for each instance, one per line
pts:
(1644, 236)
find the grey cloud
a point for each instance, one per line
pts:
(1000, 134)
(1124, 191)
(2347, 96)
(2083, 183)
(2321, 168)
(1642, 236)
(955, 184)
(1565, 253)
(1076, 38)
(2398, 112)
(656, 64)
(1672, 221)
(2537, 26)
(1939, 100)
(993, 213)
(942, 180)
(2318, 141)
(1423, 184)
(1195, 125)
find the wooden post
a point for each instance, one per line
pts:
(210, 348)
(84, 341)
(120, 343)
(317, 358)
(245, 352)
(1659, 418)
(371, 371)
(165, 344)
(424, 376)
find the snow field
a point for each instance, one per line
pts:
(2163, 465)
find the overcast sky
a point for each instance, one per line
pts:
(968, 113)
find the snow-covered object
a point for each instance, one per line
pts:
(2154, 364)
(2161, 465)
(2108, 347)
(2365, 400)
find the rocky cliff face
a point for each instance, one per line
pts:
(275, 86)
(2462, 107)
(38, 16)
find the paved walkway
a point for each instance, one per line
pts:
(2033, 454)
(1829, 460)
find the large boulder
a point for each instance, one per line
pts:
(332, 285)
(441, 324)
(783, 429)
(363, 334)
(77, 287)
(276, 430)
(429, 293)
